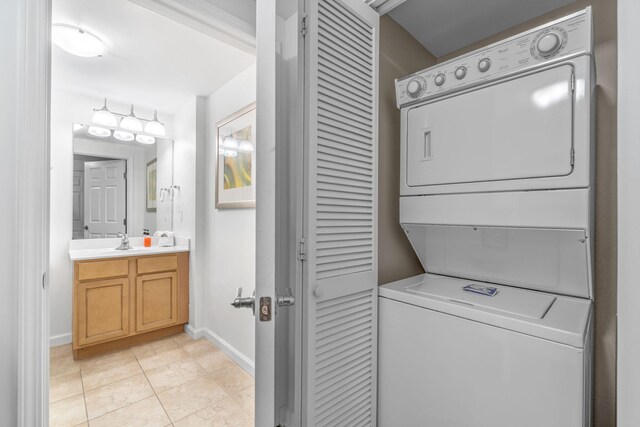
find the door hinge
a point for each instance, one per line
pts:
(302, 250)
(303, 25)
(573, 83)
(573, 156)
(124, 175)
(124, 221)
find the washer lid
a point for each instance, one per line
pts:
(555, 318)
(544, 259)
(499, 298)
(566, 319)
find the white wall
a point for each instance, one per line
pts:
(628, 372)
(66, 109)
(8, 175)
(231, 233)
(188, 220)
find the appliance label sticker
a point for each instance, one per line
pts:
(488, 291)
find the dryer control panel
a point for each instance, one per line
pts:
(567, 37)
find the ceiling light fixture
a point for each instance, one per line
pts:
(145, 139)
(77, 41)
(123, 135)
(104, 117)
(99, 131)
(245, 147)
(130, 126)
(230, 143)
(131, 122)
(155, 127)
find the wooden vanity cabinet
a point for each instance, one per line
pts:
(122, 302)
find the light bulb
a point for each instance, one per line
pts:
(245, 147)
(123, 135)
(145, 139)
(230, 143)
(230, 153)
(131, 122)
(99, 131)
(104, 117)
(77, 41)
(154, 127)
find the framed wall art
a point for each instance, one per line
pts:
(236, 160)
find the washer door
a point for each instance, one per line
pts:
(517, 129)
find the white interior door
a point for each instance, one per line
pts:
(339, 300)
(316, 213)
(78, 204)
(105, 198)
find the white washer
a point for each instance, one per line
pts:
(497, 171)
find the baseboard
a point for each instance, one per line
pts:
(61, 339)
(194, 333)
(245, 363)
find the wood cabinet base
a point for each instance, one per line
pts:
(121, 302)
(122, 343)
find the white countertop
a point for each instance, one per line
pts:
(105, 248)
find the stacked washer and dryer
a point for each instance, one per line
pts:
(497, 194)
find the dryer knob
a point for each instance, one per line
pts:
(549, 44)
(460, 73)
(415, 87)
(439, 80)
(484, 64)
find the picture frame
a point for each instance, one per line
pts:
(236, 160)
(152, 185)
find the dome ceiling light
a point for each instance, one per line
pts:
(155, 127)
(104, 117)
(131, 122)
(77, 41)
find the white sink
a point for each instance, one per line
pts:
(106, 248)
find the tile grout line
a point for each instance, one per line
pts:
(154, 390)
(84, 396)
(133, 403)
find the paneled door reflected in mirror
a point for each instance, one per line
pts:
(120, 186)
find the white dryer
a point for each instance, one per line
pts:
(497, 201)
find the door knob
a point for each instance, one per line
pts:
(246, 302)
(86, 227)
(285, 300)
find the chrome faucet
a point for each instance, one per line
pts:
(124, 244)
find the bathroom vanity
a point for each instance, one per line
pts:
(123, 298)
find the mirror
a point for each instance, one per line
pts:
(120, 187)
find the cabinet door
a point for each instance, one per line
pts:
(103, 310)
(156, 301)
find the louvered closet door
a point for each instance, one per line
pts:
(340, 280)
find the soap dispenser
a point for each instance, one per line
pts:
(147, 237)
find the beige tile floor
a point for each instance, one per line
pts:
(175, 381)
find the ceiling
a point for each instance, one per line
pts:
(151, 61)
(443, 26)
